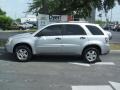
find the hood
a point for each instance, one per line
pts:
(24, 35)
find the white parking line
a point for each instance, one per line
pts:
(115, 85)
(105, 63)
(81, 64)
(98, 63)
(97, 87)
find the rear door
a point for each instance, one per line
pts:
(73, 39)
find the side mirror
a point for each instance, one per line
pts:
(39, 34)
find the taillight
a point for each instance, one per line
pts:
(106, 40)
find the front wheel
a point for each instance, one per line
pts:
(23, 53)
(91, 55)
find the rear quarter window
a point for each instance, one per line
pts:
(73, 30)
(94, 30)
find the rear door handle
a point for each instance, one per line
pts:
(57, 38)
(82, 38)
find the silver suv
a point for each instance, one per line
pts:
(85, 39)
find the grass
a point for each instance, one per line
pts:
(115, 46)
(112, 46)
(24, 31)
(2, 43)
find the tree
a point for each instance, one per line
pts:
(2, 12)
(81, 8)
(5, 22)
(18, 20)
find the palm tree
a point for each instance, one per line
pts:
(38, 6)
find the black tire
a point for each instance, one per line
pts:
(23, 53)
(21, 28)
(94, 57)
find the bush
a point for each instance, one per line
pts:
(5, 22)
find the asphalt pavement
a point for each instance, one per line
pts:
(59, 73)
(6, 35)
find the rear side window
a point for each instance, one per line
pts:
(73, 30)
(94, 30)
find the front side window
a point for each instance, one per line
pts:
(54, 30)
(94, 30)
(73, 30)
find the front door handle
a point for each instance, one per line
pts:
(82, 38)
(57, 38)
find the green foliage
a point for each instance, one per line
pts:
(101, 23)
(81, 8)
(5, 22)
(18, 20)
(2, 12)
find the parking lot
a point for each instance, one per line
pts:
(59, 73)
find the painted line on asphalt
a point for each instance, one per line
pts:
(81, 64)
(104, 63)
(115, 85)
(95, 87)
(98, 63)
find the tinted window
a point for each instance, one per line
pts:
(94, 30)
(54, 30)
(73, 30)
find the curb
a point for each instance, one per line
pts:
(114, 42)
(2, 47)
(115, 51)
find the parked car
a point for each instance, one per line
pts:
(109, 27)
(24, 26)
(83, 39)
(118, 28)
(21, 26)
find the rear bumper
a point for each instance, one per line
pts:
(105, 49)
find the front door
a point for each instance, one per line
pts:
(49, 40)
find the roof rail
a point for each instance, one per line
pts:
(78, 21)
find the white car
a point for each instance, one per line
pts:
(83, 39)
(25, 26)
(109, 34)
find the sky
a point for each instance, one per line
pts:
(14, 8)
(114, 16)
(17, 9)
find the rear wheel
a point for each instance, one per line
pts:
(91, 55)
(23, 53)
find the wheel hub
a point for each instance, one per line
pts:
(22, 54)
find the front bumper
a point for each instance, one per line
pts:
(8, 48)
